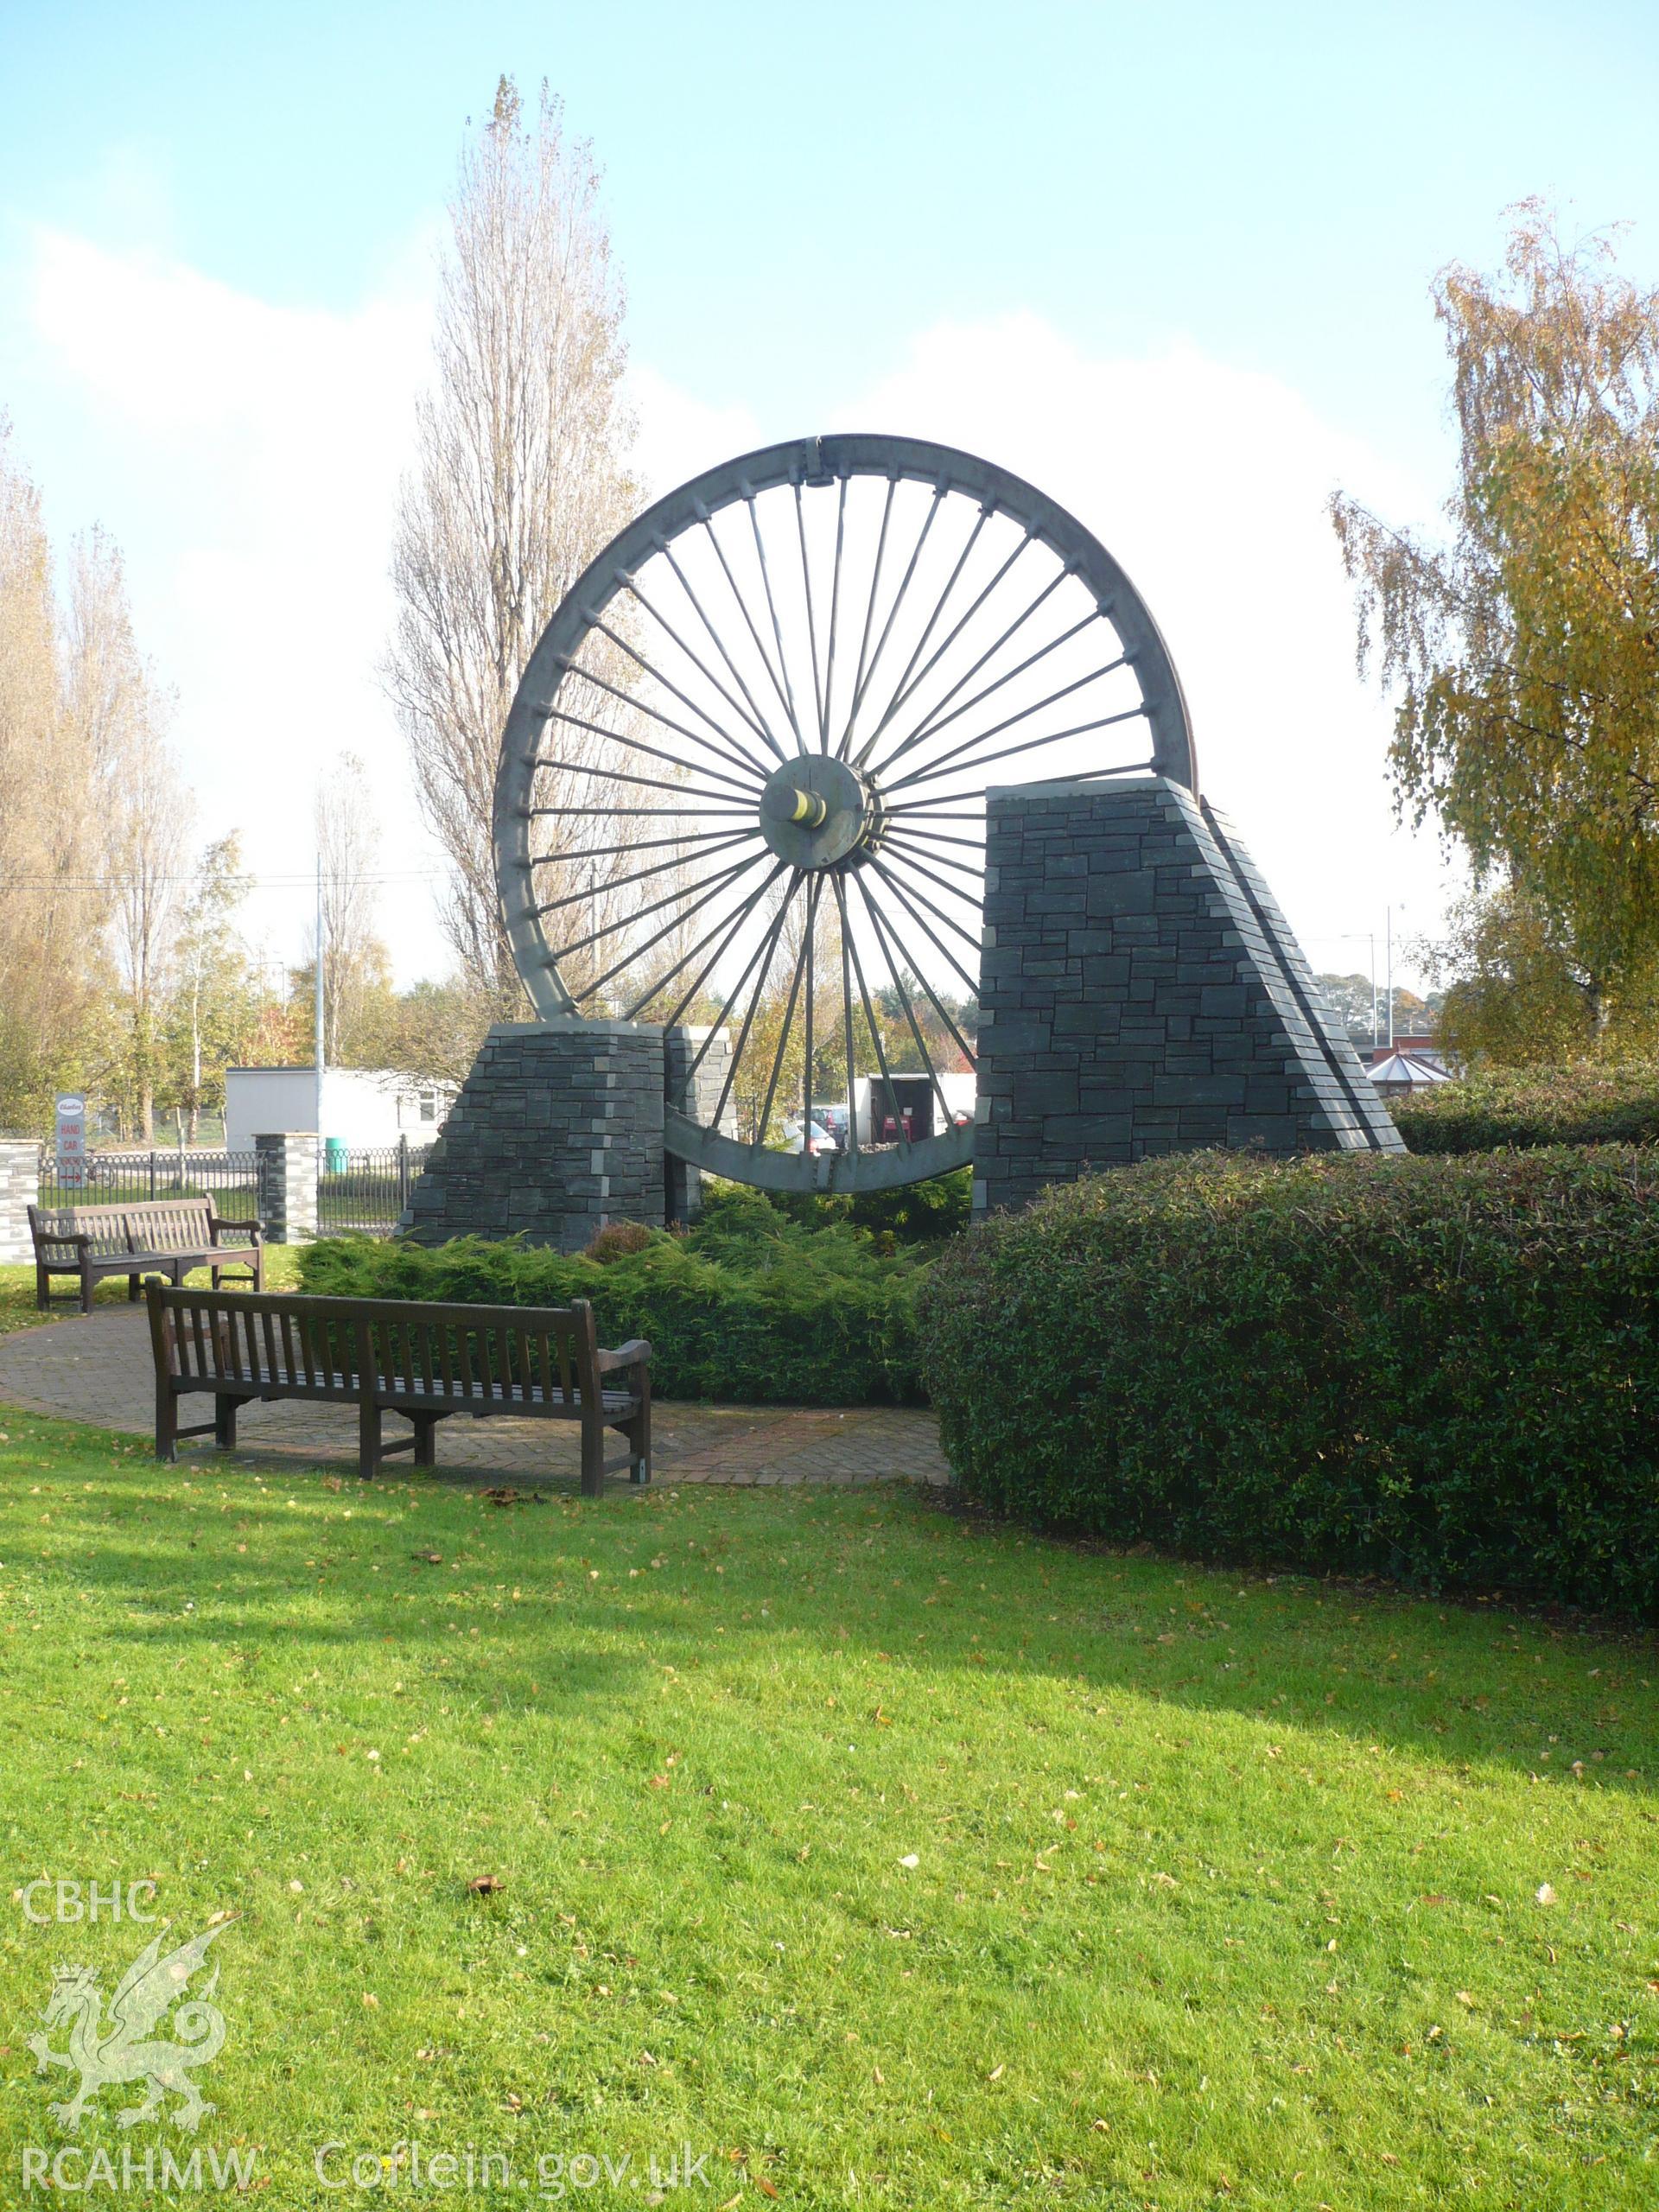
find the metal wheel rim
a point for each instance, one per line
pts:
(886, 854)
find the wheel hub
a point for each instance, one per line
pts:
(815, 810)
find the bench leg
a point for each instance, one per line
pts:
(224, 1412)
(368, 1438)
(85, 1290)
(43, 1289)
(426, 1429)
(637, 1433)
(132, 1290)
(593, 1453)
(166, 1424)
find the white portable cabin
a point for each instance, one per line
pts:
(362, 1108)
(910, 1099)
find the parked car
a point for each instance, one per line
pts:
(816, 1138)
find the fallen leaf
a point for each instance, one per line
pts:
(911, 1859)
(1544, 1894)
(485, 1885)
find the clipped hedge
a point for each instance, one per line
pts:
(1584, 1103)
(749, 1307)
(1438, 1369)
(915, 1213)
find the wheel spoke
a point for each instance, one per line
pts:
(729, 748)
(772, 944)
(835, 615)
(847, 1015)
(613, 883)
(638, 706)
(849, 940)
(811, 956)
(656, 752)
(776, 631)
(949, 764)
(893, 611)
(730, 925)
(903, 860)
(938, 836)
(610, 852)
(675, 922)
(704, 671)
(904, 1000)
(641, 913)
(899, 693)
(742, 605)
(622, 813)
(813, 890)
(902, 838)
(943, 647)
(812, 620)
(944, 721)
(869, 610)
(943, 951)
(551, 761)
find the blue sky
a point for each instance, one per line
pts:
(1036, 227)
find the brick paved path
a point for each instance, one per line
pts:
(96, 1367)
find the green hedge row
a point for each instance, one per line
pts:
(1586, 1103)
(1440, 1371)
(917, 1213)
(749, 1307)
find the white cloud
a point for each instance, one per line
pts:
(260, 448)
(1209, 483)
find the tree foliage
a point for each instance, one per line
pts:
(520, 480)
(1525, 647)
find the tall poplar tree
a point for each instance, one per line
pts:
(1524, 646)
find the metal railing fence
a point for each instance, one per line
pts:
(360, 1189)
(230, 1180)
(364, 1189)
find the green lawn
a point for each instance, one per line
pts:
(19, 1311)
(888, 1859)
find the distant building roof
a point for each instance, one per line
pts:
(1407, 1071)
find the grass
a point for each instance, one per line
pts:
(891, 1859)
(19, 1311)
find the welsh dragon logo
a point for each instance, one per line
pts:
(121, 2049)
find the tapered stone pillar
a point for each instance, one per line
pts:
(1140, 992)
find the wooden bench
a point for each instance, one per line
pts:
(162, 1235)
(391, 1355)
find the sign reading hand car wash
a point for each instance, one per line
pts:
(72, 1139)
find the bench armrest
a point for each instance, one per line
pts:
(635, 1353)
(254, 1229)
(44, 1237)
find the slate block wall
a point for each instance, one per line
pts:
(696, 1095)
(19, 1172)
(288, 1164)
(1140, 992)
(557, 1130)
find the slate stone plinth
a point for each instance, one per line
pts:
(1140, 992)
(557, 1130)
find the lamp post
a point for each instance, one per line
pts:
(317, 997)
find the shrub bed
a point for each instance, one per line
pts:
(915, 1213)
(1440, 1371)
(748, 1308)
(1583, 1104)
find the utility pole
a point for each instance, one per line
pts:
(317, 997)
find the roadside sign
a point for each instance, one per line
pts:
(72, 1139)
